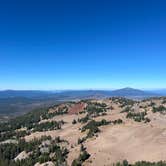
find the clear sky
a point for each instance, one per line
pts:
(82, 44)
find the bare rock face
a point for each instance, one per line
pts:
(23, 155)
(45, 164)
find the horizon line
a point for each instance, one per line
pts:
(82, 89)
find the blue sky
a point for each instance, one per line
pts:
(82, 44)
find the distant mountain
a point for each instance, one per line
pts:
(77, 94)
(132, 93)
(18, 102)
(125, 92)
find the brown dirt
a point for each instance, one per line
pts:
(131, 140)
(76, 108)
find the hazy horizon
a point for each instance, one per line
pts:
(88, 89)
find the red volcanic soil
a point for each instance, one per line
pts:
(77, 108)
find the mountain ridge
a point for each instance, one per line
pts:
(131, 92)
(124, 92)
